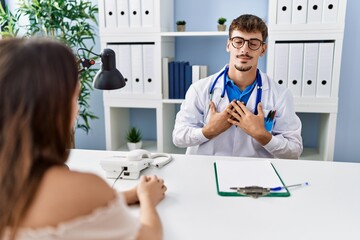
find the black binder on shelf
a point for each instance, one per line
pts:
(254, 178)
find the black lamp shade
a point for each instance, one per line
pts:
(108, 78)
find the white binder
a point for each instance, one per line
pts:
(295, 68)
(325, 67)
(148, 68)
(123, 13)
(147, 13)
(110, 13)
(311, 51)
(137, 68)
(281, 63)
(195, 73)
(315, 9)
(299, 11)
(283, 12)
(203, 71)
(135, 13)
(330, 11)
(124, 63)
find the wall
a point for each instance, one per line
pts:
(347, 144)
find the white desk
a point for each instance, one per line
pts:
(327, 209)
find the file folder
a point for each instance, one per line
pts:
(165, 76)
(299, 9)
(295, 68)
(283, 12)
(148, 69)
(172, 80)
(245, 173)
(137, 68)
(110, 14)
(311, 52)
(281, 63)
(325, 68)
(315, 10)
(147, 13)
(123, 13)
(195, 73)
(135, 13)
(330, 11)
(123, 56)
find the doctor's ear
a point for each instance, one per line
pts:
(263, 49)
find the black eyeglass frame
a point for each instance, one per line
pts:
(248, 42)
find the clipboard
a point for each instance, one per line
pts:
(245, 174)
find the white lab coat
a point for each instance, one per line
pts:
(286, 141)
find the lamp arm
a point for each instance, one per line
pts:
(85, 62)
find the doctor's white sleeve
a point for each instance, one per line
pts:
(190, 119)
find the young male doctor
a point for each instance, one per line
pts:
(240, 111)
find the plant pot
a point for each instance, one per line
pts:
(133, 146)
(180, 28)
(221, 27)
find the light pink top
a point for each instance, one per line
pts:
(115, 221)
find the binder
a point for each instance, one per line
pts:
(203, 71)
(310, 69)
(299, 9)
(122, 13)
(182, 79)
(165, 76)
(148, 69)
(123, 57)
(147, 13)
(281, 63)
(171, 80)
(315, 9)
(330, 11)
(110, 14)
(188, 77)
(283, 12)
(247, 173)
(135, 13)
(195, 73)
(295, 68)
(325, 68)
(137, 68)
(176, 80)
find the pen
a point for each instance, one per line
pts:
(289, 186)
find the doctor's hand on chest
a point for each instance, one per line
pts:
(218, 121)
(252, 124)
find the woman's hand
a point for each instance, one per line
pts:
(151, 189)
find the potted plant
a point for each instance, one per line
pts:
(71, 22)
(134, 137)
(221, 24)
(180, 26)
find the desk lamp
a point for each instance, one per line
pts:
(108, 77)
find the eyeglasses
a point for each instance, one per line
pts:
(253, 43)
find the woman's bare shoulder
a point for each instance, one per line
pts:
(67, 195)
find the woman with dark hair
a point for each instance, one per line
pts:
(40, 197)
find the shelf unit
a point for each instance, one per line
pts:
(322, 30)
(161, 35)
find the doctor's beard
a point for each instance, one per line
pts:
(243, 68)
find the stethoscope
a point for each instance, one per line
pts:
(224, 74)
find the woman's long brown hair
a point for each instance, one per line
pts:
(38, 79)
